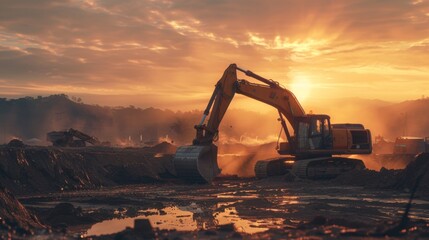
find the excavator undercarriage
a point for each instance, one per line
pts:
(312, 141)
(314, 168)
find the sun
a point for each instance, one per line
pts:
(301, 87)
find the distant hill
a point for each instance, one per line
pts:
(409, 118)
(31, 118)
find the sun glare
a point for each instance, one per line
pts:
(301, 87)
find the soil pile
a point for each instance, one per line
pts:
(369, 178)
(26, 170)
(65, 214)
(14, 215)
(164, 147)
(419, 167)
(30, 169)
(15, 143)
(395, 179)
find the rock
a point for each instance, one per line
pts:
(143, 227)
(226, 227)
(369, 178)
(347, 223)
(210, 233)
(289, 177)
(64, 209)
(65, 214)
(315, 222)
(132, 234)
(419, 166)
(318, 221)
(16, 143)
(236, 235)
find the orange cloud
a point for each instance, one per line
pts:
(161, 50)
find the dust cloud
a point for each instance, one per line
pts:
(240, 159)
(369, 160)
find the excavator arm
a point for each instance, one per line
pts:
(84, 137)
(270, 93)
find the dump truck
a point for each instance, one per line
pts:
(72, 138)
(400, 153)
(313, 143)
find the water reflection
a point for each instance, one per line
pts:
(230, 215)
(168, 218)
(186, 218)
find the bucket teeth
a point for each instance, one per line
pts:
(196, 163)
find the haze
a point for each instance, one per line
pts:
(169, 54)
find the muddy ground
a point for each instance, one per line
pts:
(268, 208)
(100, 193)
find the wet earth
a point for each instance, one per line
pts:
(247, 208)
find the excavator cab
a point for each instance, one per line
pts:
(315, 136)
(313, 133)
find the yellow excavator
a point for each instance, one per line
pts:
(311, 138)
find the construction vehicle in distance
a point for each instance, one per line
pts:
(411, 145)
(400, 153)
(73, 138)
(311, 138)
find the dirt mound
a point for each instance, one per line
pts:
(396, 179)
(369, 178)
(66, 214)
(25, 170)
(15, 214)
(164, 147)
(16, 143)
(49, 169)
(418, 167)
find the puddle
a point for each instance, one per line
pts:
(169, 218)
(183, 219)
(230, 215)
(52, 204)
(243, 194)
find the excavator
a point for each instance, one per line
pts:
(313, 143)
(73, 138)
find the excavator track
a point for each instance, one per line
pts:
(325, 167)
(315, 168)
(273, 167)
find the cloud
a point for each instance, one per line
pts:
(162, 48)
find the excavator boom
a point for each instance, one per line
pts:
(271, 93)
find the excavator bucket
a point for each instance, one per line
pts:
(196, 163)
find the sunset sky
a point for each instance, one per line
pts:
(169, 54)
